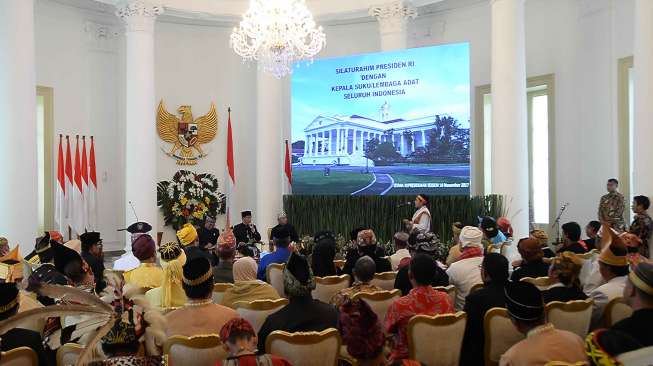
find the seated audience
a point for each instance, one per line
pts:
(4, 247)
(246, 287)
(223, 272)
(604, 345)
(455, 250)
(494, 271)
(94, 256)
(42, 245)
(638, 294)
(148, 275)
(543, 342)
(464, 273)
(69, 263)
(422, 299)
(362, 249)
(170, 294)
(401, 251)
(280, 255)
(592, 232)
(363, 274)
(543, 239)
(324, 252)
(403, 283)
(303, 313)
(491, 231)
(564, 272)
(18, 337)
(531, 264)
(613, 267)
(199, 315)
(571, 237)
(362, 334)
(189, 240)
(45, 272)
(239, 339)
(642, 225)
(505, 227)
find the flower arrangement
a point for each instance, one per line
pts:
(189, 197)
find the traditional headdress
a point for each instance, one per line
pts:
(471, 236)
(642, 277)
(366, 238)
(423, 198)
(173, 259)
(298, 277)
(541, 236)
(602, 345)
(504, 225)
(187, 234)
(236, 326)
(568, 265)
(170, 251)
(530, 249)
(144, 247)
(524, 301)
(360, 329)
(8, 299)
(11, 266)
(614, 249)
(227, 241)
(197, 273)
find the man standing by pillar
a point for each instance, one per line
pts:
(612, 206)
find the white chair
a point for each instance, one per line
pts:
(326, 287)
(379, 301)
(448, 329)
(201, 350)
(305, 348)
(574, 316)
(21, 356)
(542, 283)
(500, 335)
(450, 290)
(255, 312)
(274, 275)
(68, 354)
(218, 291)
(640, 357)
(385, 280)
(616, 310)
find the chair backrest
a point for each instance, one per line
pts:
(201, 350)
(326, 287)
(574, 316)
(565, 363)
(68, 354)
(21, 356)
(448, 329)
(617, 310)
(500, 334)
(305, 348)
(218, 291)
(385, 280)
(640, 357)
(476, 287)
(542, 283)
(450, 290)
(255, 312)
(379, 301)
(274, 275)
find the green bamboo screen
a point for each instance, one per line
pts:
(341, 214)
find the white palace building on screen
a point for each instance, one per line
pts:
(342, 140)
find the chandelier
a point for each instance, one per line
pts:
(277, 33)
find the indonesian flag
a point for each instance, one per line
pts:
(231, 172)
(69, 185)
(288, 165)
(91, 197)
(60, 204)
(78, 215)
(85, 182)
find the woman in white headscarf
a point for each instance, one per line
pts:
(246, 287)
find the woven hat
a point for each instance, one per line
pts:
(187, 234)
(170, 251)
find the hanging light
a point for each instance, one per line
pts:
(277, 33)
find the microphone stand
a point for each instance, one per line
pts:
(556, 222)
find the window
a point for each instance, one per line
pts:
(540, 131)
(44, 160)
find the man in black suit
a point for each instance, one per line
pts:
(494, 272)
(94, 256)
(571, 233)
(638, 293)
(246, 231)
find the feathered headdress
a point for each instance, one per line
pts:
(611, 245)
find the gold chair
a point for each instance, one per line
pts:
(448, 329)
(21, 356)
(450, 290)
(476, 287)
(68, 354)
(255, 312)
(574, 316)
(326, 287)
(616, 310)
(564, 363)
(274, 275)
(305, 348)
(379, 301)
(640, 357)
(201, 350)
(542, 283)
(385, 280)
(218, 291)
(500, 335)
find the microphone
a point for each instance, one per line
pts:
(404, 204)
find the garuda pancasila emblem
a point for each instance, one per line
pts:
(186, 135)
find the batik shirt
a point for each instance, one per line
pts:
(421, 300)
(341, 296)
(642, 226)
(611, 209)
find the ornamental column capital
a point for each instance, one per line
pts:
(392, 17)
(139, 15)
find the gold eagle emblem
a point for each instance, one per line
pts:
(186, 135)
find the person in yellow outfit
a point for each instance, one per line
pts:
(148, 275)
(189, 239)
(171, 293)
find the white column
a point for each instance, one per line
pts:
(509, 158)
(269, 151)
(393, 21)
(140, 107)
(18, 186)
(423, 138)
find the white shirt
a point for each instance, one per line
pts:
(422, 220)
(126, 262)
(464, 274)
(397, 257)
(602, 296)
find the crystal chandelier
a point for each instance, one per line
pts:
(277, 33)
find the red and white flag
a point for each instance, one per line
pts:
(91, 198)
(78, 215)
(85, 182)
(288, 166)
(69, 186)
(60, 204)
(231, 172)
